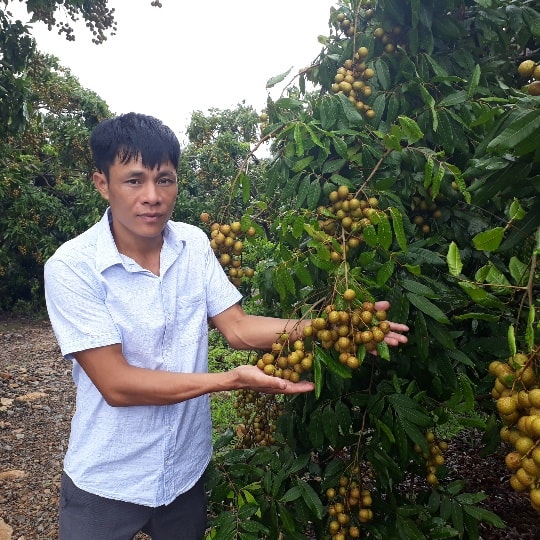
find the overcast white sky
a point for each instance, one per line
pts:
(191, 56)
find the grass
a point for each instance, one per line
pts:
(222, 358)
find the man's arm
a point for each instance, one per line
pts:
(124, 385)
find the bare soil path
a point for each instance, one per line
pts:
(36, 403)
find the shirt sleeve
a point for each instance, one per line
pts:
(77, 310)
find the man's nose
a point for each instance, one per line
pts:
(151, 193)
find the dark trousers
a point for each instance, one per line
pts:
(84, 516)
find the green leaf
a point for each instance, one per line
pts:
(529, 330)
(457, 516)
(524, 128)
(301, 164)
(421, 335)
(314, 194)
(399, 230)
(341, 147)
(428, 172)
(370, 236)
(343, 415)
(383, 73)
(253, 527)
(277, 79)
(330, 425)
(334, 165)
(475, 79)
(481, 514)
(453, 258)
(489, 240)
(445, 133)
(384, 233)
(412, 131)
(518, 270)
(383, 350)
(385, 273)
(516, 210)
(292, 494)
(427, 307)
(311, 499)
(418, 288)
(244, 181)
(511, 337)
(454, 99)
(301, 272)
(303, 190)
(298, 139)
(480, 295)
(314, 138)
(428, 99)
(332, 364)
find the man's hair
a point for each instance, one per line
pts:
(130, 136)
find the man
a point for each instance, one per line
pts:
(129, 301)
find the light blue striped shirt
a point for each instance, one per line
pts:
(96, 297)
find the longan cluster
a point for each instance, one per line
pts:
(434, 457)
(517, 394)
(424, 212)
(346, 25)
(287, 360)
(390, 40)
(260, 413)
(530, 70)
(343, 220)
(346, 330)
(351, 80)
(226, 242)
(349, 506)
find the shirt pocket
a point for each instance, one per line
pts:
(191, 318)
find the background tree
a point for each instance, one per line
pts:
(46, 195)
(412, 176)
(45, 118)
(219, 145)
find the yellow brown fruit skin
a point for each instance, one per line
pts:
(526, 68)
(534, 88)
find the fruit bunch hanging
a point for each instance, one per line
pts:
(352, 78)
(350, 330)
(530, 71)
(426, 211)
(356, 328)
(349, 506)
(226, 241)
(434, 458)
(343, 220)
(517, 393)
(259, 414)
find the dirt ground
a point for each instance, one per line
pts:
(36, 403)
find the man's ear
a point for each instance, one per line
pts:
(102, 184)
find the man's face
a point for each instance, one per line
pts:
(141, 200)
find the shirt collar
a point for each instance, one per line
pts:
(107, 253)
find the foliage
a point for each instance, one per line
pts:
(443, 154)
(219, 145)
(46, 195)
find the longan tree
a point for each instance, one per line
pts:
(410, 174)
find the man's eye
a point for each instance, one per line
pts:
(167, 180)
